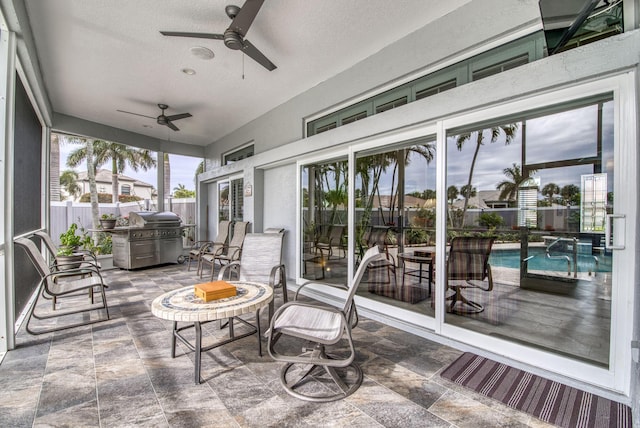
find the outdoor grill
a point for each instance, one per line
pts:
(152, 238)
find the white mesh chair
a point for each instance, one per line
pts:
(260, 261)
(57, 284)
(301, 323)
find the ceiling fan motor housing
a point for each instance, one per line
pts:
(233, 40)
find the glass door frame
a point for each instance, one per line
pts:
(228, 180)
(616, 377)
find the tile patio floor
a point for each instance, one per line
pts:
(119, 373)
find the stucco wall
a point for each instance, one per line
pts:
(474, 25)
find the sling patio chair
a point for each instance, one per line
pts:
(226, 253)
(63, 283)
(88, 255)
(468, 267)
(260, 261)
(299, 323)
(198, 248)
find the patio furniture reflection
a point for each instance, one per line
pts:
(468, 267)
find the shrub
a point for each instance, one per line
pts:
(490, 220)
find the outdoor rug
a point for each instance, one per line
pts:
(550, 401)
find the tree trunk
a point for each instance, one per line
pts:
(114, 181)
(473, 164)
(93, 189)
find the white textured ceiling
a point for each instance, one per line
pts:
(100, 56)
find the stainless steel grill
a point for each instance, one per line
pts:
(152, 238)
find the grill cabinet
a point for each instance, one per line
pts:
(152, 238)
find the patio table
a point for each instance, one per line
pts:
(426, 258)
(182, 305)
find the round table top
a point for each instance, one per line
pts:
(183, 305)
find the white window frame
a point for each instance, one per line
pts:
(616, 377)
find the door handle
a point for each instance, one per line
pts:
(607, 232)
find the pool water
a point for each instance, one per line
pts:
(511, 259)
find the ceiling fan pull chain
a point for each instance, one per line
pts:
(242, 65)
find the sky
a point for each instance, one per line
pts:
(553, 137)
(182, 169)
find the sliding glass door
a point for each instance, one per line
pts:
(528, 200)
(509, 229)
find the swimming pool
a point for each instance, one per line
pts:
(510, 258)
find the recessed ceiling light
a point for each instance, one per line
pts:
(202, 52)
(189, 71)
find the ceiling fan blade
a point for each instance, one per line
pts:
(178, 116)
(257, 56)
(136, 114)
(245, 17)
(172, 126)
(194, 35)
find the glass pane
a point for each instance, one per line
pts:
(395, 210)
(223, 201)
(525, 255)
(324, 218)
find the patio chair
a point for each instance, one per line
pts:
(324, 327)
(260, 261)
(198, 248)
(88, 255)
(468, 267)
(63, 283)
(226, 253)
(332, 237)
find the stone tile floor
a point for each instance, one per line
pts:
(119, 373)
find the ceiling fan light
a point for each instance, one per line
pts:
(202, 52)
(189, 71)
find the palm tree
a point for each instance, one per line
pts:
(468, 191)
(199, 170)
(509, 132)
(509, 187)
(182, 192)
(549, 190)
(120, 156)
(571, 194)
(78, 156)
(68, 179)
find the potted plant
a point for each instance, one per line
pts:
(69, 243)
(107, 221)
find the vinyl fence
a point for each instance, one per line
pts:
(67, 212)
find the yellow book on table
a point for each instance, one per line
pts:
(214, 290)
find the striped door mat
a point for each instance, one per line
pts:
(550, 401)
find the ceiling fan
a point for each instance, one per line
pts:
(233, 36)
(163, 119)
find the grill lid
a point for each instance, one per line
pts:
(153, 219)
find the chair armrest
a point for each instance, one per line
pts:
(75, 272)
(274, 272)
(304, 284)
(226, 268)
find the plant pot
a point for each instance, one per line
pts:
(69, 262)
(108, 224)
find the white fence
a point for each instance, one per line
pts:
(62, 214)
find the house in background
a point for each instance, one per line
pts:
(127, 186)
